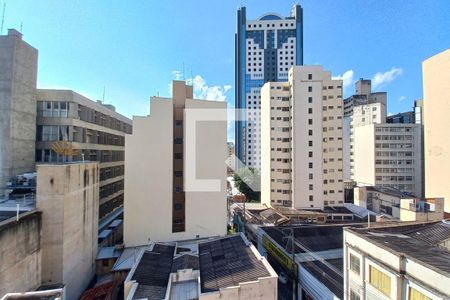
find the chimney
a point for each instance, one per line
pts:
(13, 32)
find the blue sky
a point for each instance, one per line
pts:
(133, 48)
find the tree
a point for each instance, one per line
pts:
(248, 182)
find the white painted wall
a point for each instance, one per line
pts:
(149, 171)
(436, 91)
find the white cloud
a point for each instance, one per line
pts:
(203, 91)
(347, 78)
(390, 114)
(402, 98)
(384, 78)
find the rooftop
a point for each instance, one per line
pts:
(427, 243)
(153, 271)
(310, 238)
(101, 291)
(127, 259)
(227, 262)
(53, 293)
(321, 271)
(108, 252)
(389, 191)
(215, 263)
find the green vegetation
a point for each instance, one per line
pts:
(248, 182)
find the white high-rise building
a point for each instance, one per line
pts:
(389, 155)
(363, 108)
(378, 153)
(301, 140)
(175, 170)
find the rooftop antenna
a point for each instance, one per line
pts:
(104, 90)
(21, 27)
(183, 71)
(3, 17)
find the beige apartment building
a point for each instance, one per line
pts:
(389, 155)
(94, 129)
(301, 134)
(175, 171)
(436, 109)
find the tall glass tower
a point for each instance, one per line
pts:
(265, 50)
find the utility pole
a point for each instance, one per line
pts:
(293, 275)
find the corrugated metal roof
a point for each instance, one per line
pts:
(420, 242)
(228, 262)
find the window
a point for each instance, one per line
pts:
(311, 198)
(178, 123)
(178, 173)
(54, 109)
(178, 206)
(309, 76)
(310, 165)
(310, 121)
(354, 295)
(178, 141)
(416, 295)
(380, 281)
(354, 264)
(309, 99)
(310, 143)
(311, 187)
(309, 88)
(310, 110)
(310, 176)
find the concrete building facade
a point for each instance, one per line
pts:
(175, 174)
(20, 253)
(363, 108)
(397, 262)
(301, 148)
(18, 79)
(436, 109)
(67, 195)
(95, 130)
(265, 50)
(390, 156)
